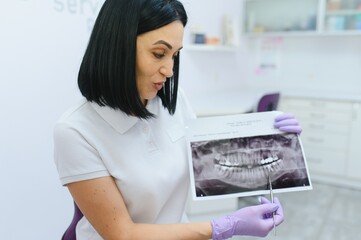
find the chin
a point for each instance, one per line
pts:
(149, 98)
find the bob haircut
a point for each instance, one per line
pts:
(107, 74)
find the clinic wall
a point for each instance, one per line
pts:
(330, 65)
(41, 45)
(212, 71)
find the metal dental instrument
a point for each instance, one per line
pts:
(272, 200)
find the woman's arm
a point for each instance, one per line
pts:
(103, 205)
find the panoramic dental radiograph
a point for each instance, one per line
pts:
(236, 165)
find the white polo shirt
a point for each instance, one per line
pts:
(147, 158)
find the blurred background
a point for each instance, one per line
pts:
(308, 52)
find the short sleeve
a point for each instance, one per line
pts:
(75, 159)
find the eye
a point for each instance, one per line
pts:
(159, 55)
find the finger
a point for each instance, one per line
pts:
(283, 116)
(268, 222)
(291, 129)
(286, 122)
(267, 208)
(264, 200)
(277, 215)
(280, 209)
(278, 219)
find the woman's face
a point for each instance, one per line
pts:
(155, 58)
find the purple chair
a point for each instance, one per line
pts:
(70, 231)
(268, 102)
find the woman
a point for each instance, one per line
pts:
(122, 152)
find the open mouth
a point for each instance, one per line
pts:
(158, 86)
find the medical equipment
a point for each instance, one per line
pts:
(272, 201)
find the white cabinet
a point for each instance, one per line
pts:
(354, 163)
(262, 16)
(331, 137)
(294, 17)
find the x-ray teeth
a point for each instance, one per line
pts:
(243, 164)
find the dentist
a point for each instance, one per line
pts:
(121, 152)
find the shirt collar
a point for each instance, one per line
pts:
(120, 121)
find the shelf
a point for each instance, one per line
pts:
(300, 19)
(209, 48)
(329, 33)
(274, 16)
(342, 12)
(283, 34)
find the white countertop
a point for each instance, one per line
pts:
(322, 95)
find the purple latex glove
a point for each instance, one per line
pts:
(287, 122)
(249, 221)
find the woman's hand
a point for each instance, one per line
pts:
(287, 122)
(249, 221)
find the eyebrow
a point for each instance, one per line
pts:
(165, 43)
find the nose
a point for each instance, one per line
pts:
(167, 68)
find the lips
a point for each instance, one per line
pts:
(158, 86)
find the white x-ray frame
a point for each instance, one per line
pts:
(232, 156)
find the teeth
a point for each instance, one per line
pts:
(227, 162)
(280, 165)
(247, 173)
(248, 169)
(269, 160)
(269, 167)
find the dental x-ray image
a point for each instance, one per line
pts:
(242, 165)
(240, 155)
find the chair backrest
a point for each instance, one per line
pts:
(70, 231)
(268, 102)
